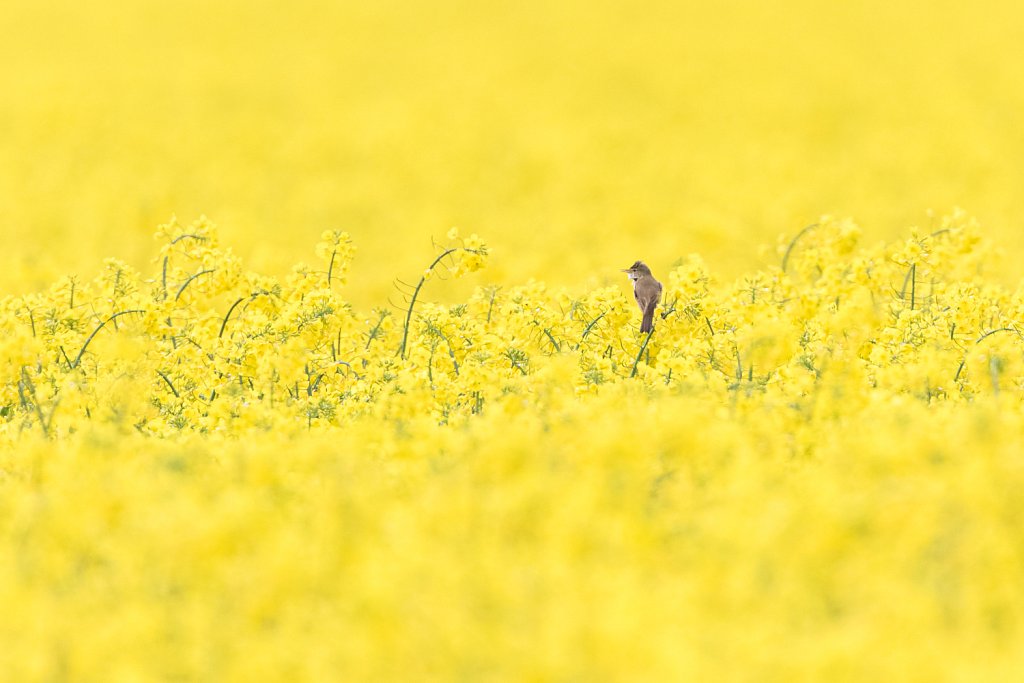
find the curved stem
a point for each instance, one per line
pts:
(78, 358)
(228, 316)
(169, 384)
(416, 293)
(189, 281)
(1001, 329)
(643, 348)
(590, 326)
(792, 243)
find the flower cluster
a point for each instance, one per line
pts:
(209, 472)
(209, 347)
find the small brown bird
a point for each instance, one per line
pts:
(646, 291)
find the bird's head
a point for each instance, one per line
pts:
(637, 270)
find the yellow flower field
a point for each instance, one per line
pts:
(310, 431)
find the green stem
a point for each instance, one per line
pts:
(792, 243)
(189, 281)
(415, 294)
(78, 358)
(643, 348)
(226, 317)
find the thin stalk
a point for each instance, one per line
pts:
(643, 348)
(792, 243)
(415, 294)
(189, 281)
(554, 342)
(78, 358)
(1001, 329)
(226, 317)
(24, 383)
(376, 328)
(169, 384)
(590, 326)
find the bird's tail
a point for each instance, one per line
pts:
(647, 324)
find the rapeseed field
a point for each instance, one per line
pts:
(317, 363)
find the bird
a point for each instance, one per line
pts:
(646, 291)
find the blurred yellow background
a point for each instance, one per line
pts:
(523, 496)
(576, 137)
